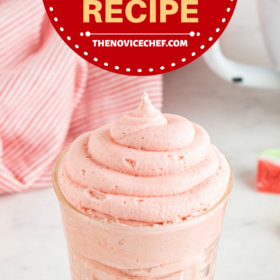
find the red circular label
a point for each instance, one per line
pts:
(140, 37)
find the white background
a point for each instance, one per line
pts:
(240, 121)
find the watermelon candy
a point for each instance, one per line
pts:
(268, 175)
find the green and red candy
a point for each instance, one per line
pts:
(268, 177)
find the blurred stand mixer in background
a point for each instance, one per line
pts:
(251, 75)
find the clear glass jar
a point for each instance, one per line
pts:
(99, 250)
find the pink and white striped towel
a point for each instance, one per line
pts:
(49, 95)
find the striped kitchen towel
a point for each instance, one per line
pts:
(49, 95)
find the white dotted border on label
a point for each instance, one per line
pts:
(192, 34)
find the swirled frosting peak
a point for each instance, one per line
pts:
(146, 115)
(144, 168)
(147, 128)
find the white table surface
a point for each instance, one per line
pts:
(240, 121)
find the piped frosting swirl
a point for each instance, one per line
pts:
(144, 168)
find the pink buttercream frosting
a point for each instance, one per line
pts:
(145, 168)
